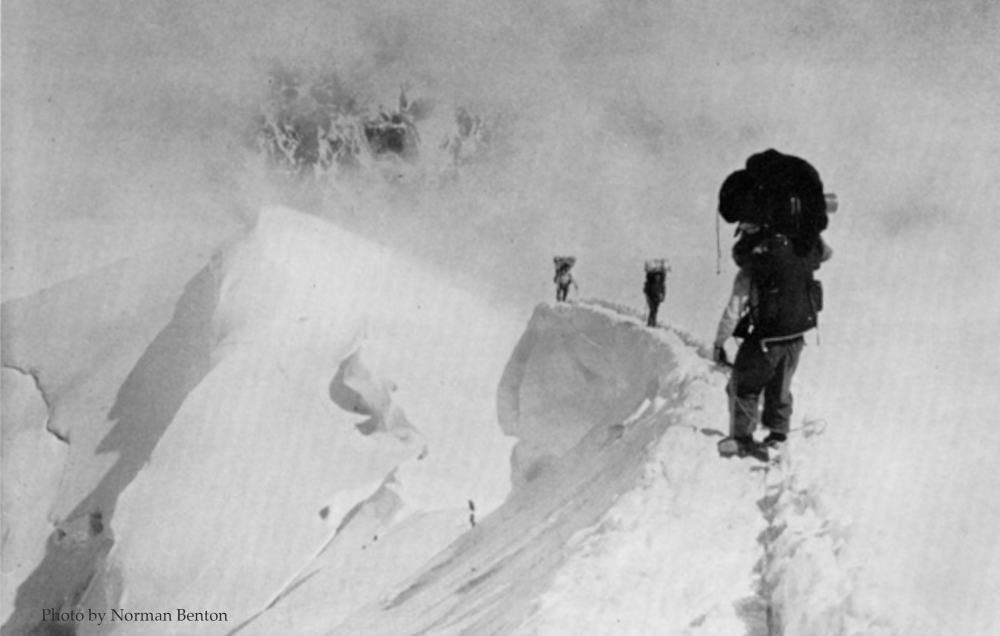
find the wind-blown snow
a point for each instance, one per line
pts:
(31, 462)
(581, 546)
(305, 316)
(288, 396)
(293, 478)
(637, 526)
(82, 340)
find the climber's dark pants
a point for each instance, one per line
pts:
(768, 370)
(561, 293)
(654, 306)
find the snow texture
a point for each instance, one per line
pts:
(239, 422)
(303, 446)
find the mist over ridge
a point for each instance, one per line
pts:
(621, 120)
(131, 124)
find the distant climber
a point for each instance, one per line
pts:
(779, 205)
(655, 287)
(564, 278)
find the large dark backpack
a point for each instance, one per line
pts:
(786, 297)
(655, 287)
(780, 193)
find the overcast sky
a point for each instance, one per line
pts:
(626, 118)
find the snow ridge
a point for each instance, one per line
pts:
(808, 587)
(623, 519)
(757, 549)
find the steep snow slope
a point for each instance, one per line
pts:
(225, 453)
(624, 520)
(274, 467)
(31, 463)
(81, 342)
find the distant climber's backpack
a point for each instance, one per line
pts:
(780, 193)
(563, 266)
(656, 284)
(656, 278)
(786, 298)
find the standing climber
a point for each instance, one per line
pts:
(564, 278)
(774, 301)
(781, 209)
(655, 287)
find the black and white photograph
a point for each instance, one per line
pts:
(500, 318)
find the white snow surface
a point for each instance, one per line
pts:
(314, 443)
(629, 523)
(297, 387)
